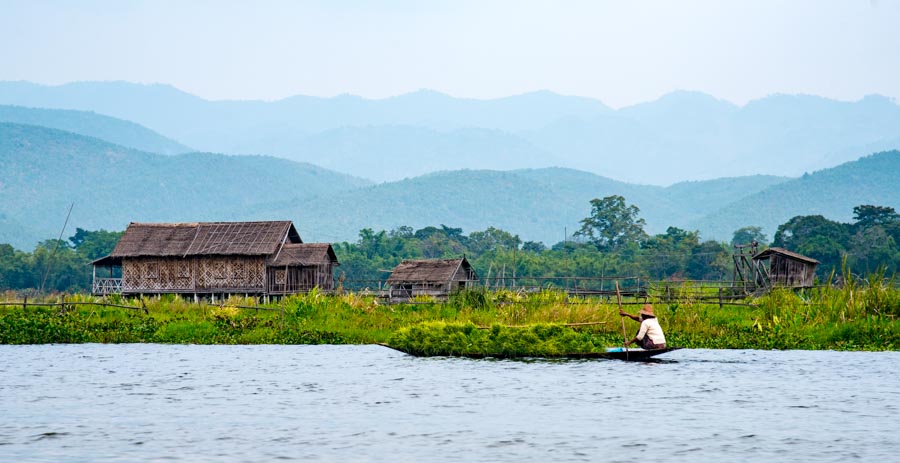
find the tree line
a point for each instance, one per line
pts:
(610, 242)
(56, 265)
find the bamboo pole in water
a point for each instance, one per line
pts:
(624, 334)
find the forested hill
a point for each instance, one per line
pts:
(541, 204)
(537, 204)
(118, 131)
(679, 136)
(43, 171)
(873, 180)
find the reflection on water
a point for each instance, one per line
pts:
(368, 403)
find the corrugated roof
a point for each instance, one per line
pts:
(439, 270)
(305, 254)
(768, 253)
(204, 238)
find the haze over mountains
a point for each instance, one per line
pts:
(91, 124)
(117, 171)
(680, 136)
(44, 170)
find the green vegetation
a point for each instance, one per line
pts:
(612, 242)
(871, 242)
(45, 170)
(539, 340)
(832, 193)
(857, 316)
(65, 264)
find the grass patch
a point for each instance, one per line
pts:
(858, 316)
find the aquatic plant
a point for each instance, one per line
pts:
(859, 313)
(440, 338)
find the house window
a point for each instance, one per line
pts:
(279, 277)
(218, 270)
(151, 270)
(237, 270)
(184, 270)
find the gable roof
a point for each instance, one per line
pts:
(304, 254)
(784, 252)
(205, 238)
(439, 270)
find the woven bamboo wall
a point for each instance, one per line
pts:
(193, 274)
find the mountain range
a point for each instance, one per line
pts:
(679, 137)
(118, 131)
(43, 170)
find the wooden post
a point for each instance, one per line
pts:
(720, 297)
(624, 334)
(515, 253)
(25, 303)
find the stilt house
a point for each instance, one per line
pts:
(432, 277)
(253, 258)
(780, 267)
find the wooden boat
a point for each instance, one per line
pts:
(633, 355)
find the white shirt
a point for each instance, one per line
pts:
(650, 327)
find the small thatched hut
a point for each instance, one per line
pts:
(431, 277)
(208, 258)
(780, 267)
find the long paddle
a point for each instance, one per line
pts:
(622, 317)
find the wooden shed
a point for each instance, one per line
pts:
(208, 258)
(305, 265)
(780, 267)
(431, 277)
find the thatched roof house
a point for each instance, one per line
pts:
(785, 268)
(433, 277)
(216, 258)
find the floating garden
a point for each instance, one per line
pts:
(856, 316)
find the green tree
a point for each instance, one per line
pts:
(867, 216)
(747, 235)
(534, 246)
(93, 245)
(612, 225)
(491, 239)
(816, 237)
(15, 268)
(57, 267)
(871, 248)
(666, 255)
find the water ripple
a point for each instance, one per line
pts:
(367, 403)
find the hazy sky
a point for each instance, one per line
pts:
(620, 52)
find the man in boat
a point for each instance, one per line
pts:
(650, 335)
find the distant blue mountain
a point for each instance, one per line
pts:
(43, 170)
(832, 192)
(680, 136)
(118, 131)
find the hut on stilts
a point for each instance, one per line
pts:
(210, 259)
(429, 277)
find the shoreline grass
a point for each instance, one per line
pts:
(854, 317)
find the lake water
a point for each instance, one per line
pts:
(369, 403)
